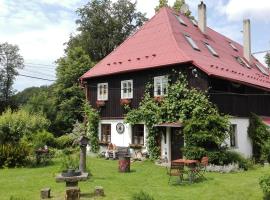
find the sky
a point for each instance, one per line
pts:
(41, 27)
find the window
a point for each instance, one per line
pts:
(194, 22)
(102, 91)
(180, 20)
(106, 133)
(210, 48)
(232, 45)
(233, 135)
(127, 89)
(262, 69)
(242, 62)
(138, 134)
(160, 85)
(192, 43)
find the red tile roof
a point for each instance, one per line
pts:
(161, 42)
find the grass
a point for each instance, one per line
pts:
(27, 182)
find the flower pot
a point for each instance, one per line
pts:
(124, 102)
(159, 99)
(100, 103)
(71, 173)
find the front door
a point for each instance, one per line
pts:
(177, 142)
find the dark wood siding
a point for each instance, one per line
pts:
(113, 109)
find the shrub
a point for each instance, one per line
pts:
(64, 141)
(142, 196)
(43, 138)
(15, 125)
(265, 186)
(265, 151)
(69, 162)
(13, 155)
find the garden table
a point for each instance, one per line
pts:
(191, 164)
(73, 180)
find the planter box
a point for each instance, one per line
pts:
(159, 99)
(124, 102)
(100, 103)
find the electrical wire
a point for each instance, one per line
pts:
(35, 77)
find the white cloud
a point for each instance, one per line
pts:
(63, 3)
(238, 9)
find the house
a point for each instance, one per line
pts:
(238, 83)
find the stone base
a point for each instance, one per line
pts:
(99, 191)
(45, 193)
(72, 193)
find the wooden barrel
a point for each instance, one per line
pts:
(124, 164)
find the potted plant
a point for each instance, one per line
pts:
(158, 98)
(124, 102)
(100, 103)
(70, 166)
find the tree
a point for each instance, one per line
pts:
(69, 95)
(104, 25)
(162, 3)
(267, 59)
(178, 5)
(10, 62)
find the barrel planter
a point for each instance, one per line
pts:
(124, 164)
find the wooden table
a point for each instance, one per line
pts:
(189, 163)
(71, 181)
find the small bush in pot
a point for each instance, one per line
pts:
(70, 165)
(265, 185)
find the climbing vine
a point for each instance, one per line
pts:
(205, 129)
(92, 117)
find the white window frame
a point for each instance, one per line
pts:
(181, 21)
(233, 46)
(262, 69)
(101, 94)
(163, 81)
(129, 90)
(211, 49)
(192, 42)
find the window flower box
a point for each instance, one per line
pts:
(158, 98)
(100, 103)
(124, 102)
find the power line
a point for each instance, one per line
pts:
(35, 77)
(37, 72)
(46, 65)
(258, 52)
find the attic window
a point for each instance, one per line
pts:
(233, 46)
(180, 20)
(242, 62)
(194, 22)
(210, 48)
(192, 43)
(262, 69)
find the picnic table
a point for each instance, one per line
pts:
(73, 180)
(191, 164)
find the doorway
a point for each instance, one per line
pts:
(177, 142)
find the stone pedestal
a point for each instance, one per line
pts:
(72, 193)
(99, 191)
(45, 193)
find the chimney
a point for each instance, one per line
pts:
(247, 43)
(202, 17)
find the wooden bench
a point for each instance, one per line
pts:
(120, 152)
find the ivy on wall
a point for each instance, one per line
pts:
(205, 129)
(92, 117)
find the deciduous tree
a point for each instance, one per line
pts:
(162, 3)
(267, 59)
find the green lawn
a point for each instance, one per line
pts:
(27, 182)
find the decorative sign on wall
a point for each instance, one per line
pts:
(120, 128)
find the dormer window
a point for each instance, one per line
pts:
(262, 69)
(233, 46)
(160, 85)
(211, 49)
(194, 22)
(180, 20)
(127, 89)
(102, 91)
(242, 62)
(192, 43)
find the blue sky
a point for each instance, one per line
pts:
(41, 27)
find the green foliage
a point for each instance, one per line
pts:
(15, 125)
(260, 136)
(69, 162)
(265, 186)
(265, 151)
(142, 196)
(16, 198)
(42, 138)
(65, 141)
(162, 3)
(205, 129)
(267, 59)
(13, 155)
(92, 126)
(103, 25)
(177, 7)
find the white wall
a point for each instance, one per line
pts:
(166, 147)
(243, 142)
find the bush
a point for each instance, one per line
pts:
(265, 185)
(43, 138)
(142, 196)
(13, 155)
(265, 151)
(70, 162)
(15, 125)
(64, 141)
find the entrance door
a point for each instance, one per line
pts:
(177, 142)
